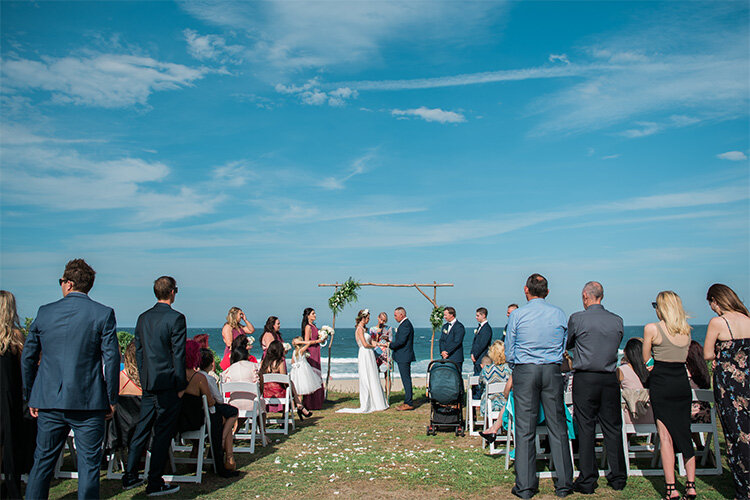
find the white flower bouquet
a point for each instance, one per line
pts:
(287, 347)
(323, 334)
(250, 340)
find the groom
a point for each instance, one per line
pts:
(402, 346)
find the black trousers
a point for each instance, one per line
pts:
(476, 391)
(596, 398)
(405, 371)
(532, 385)
(159, 411)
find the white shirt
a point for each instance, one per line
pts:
(481, 325)
(450, 324)
(405, 318)
(213, 386)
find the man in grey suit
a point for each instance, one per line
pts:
(594, 335)
(71, 369)
(534, 347)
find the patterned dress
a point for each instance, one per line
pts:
(493, 374)
(732, 394)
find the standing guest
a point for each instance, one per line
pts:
(160, 334)
(402, 347)
(75, 384)
(699, 378)
(534, 346)
(271, 332)
(480, 345)
(728, 346)
(594, 336)
(452, 339)
(232, 329)
(12, 445)
(668, 342)
(315, 400)
(510, 309)
(633, 376)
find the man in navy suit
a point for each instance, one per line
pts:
(402, 347)
(480, 345)
(452, 339)
(160, 335)
(76, 383)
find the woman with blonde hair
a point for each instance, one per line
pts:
(494, 370)
(232, 329)
(668, 342)
(12, 443)
(728, 347)
(130, 382)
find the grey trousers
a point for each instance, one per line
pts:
(534, 384)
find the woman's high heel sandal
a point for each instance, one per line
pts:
(488, 436)
(670, 489)
(303, 412)
(688, 486)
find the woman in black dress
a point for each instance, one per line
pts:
(13, 446)
(668, 341)
(728, 346)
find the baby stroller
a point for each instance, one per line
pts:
(446, 393)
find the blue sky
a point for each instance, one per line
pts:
(254, 150)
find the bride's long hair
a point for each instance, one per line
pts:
(362, 314)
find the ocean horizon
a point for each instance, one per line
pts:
(344, 351)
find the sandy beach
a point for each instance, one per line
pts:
(348, 385)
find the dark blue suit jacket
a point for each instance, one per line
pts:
(453, 342)
(74, 337)
(481, 343)
(402, 344)
(160, 335)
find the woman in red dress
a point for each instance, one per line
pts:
(274, 362)
(315, 400)
(233, 329)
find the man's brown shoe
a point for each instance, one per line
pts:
(406, 407)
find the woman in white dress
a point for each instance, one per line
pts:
(371, 397)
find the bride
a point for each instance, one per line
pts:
(371, 396)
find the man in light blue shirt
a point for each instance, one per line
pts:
(534, 346)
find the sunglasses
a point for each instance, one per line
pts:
(63, 280)
(653, 304)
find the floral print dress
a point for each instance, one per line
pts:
(732, 394)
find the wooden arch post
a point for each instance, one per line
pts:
(434, 285)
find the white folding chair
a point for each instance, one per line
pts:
(708, 432)
(543, 430)
(200, 435)
(71, 446)
(649, 450)
(491, 416)
(287, 420)
(250, 429)
(471, 404)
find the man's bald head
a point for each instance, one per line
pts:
(593, 293)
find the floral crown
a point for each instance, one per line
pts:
(365, 312)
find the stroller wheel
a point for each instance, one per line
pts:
(429, 431)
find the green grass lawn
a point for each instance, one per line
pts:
(380, 455)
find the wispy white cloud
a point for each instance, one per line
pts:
(294, 35)
(17, 134)
(212, 48)
(563, 58)
(732, 156)
(310, 93)
(234, 173)
(649, 128)
(358, 167)
(431, 115)
(104, 80)
(610, 157)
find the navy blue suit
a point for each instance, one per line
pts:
(402, 347)
(479, 348)
(72, 386)
(160, 335)
(453, 343)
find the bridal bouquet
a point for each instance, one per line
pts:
(323, 334)
(250, 340)
(287, 347)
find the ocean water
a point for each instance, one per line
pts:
(344, 350)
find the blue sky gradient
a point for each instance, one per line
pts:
(254, 150)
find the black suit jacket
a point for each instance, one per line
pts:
(160, 335)
(402, 344)
(453, 342)
(76, 339)
(481, 343)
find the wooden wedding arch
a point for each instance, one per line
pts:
(434, 285)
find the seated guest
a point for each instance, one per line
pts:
(228, 412)
(274, 362)
(633, 375)
(495, 371)
(208, 370)
(130, 382)
(700, 412)
(191, 414)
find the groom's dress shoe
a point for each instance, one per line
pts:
(405, 407)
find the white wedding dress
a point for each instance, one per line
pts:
(371, 397)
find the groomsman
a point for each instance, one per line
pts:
(594, 335)
(402, 348)
(511, 308)
(480, 345)
(452, 339)
(71, 367)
